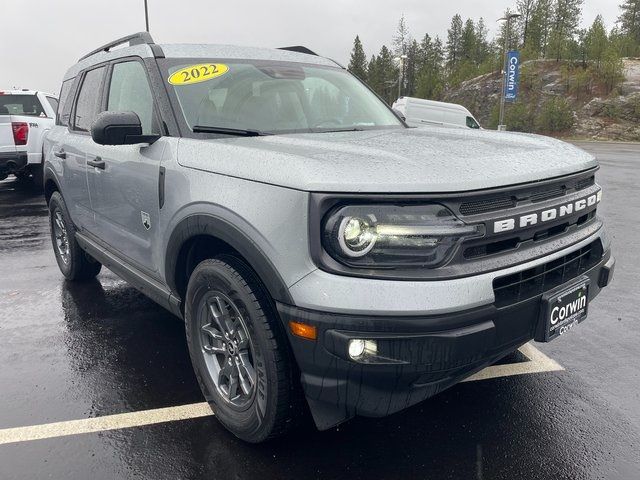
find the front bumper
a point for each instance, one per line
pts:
(12, 162)
(431, 352)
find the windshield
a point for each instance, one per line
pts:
(268, 98)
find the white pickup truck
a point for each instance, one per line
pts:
(25, 117)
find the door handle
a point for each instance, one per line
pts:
(60, 153)
(96, 163)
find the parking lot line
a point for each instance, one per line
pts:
(102, 424)
(537, 362)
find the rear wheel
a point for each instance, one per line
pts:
(74, 263)
(239, 351)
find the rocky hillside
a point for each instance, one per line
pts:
(614, 116)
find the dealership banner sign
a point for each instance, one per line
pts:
(513, 76)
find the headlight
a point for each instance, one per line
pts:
(394, 236)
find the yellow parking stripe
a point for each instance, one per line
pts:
(538, 362)
(102, 424)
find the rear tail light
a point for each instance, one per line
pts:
(20, 132)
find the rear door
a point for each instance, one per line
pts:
(124, 190)
(75, 145)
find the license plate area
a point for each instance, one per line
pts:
(563, 308)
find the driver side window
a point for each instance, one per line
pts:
(129, 91)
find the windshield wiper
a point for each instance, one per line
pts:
(338, 130)
(228, 131)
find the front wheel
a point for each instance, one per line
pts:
(239, 351)
(74, 263)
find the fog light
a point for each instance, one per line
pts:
(359, 348)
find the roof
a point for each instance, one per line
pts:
(227, 52)
(25, 91)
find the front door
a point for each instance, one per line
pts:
(123, 180)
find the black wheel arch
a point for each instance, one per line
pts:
(50, 183)
(230, 239)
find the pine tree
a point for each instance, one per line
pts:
(358, 61)
(402, 38)
(596, 42)
(483, 49)
(401, 46)
(630, 20)
(383, 75)
(469, 41)
(526, 9)
(538, 30)
(431, 81)
(454, 42)
(566, 19)
(373, 75)
(411, 69)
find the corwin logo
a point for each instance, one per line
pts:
(562, 313)
(535, 218)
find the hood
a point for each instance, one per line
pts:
(418, 160)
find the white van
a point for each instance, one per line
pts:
(418, 111)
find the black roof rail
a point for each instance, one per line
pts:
(299, 49)
(140, 38)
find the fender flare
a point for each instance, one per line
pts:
(210, 225)
(48, 175)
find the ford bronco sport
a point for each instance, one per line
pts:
(320, 252)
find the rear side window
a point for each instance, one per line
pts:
(66, 101)
(24, 105)
(129, 92)
(54, 103)
(89, 99)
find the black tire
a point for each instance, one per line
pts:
(76, 265)
(275, 406)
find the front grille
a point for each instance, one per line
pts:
(535, 281)
(522, 195)
(487, 205)
(553, 192)
(587, 182)
(506, 244)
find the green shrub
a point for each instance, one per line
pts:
(520, 117)
(556, 115)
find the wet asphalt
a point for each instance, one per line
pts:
(71, 351)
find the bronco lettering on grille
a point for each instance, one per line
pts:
(548, 215)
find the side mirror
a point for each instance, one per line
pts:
(399, 114)
(119, 128)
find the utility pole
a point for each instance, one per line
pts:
(401, 60)
(507, 18)
(146, 14)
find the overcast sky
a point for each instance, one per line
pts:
(42, 38)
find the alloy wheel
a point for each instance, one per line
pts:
(227, 349)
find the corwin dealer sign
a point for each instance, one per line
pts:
(513, 76)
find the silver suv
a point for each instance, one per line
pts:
(321, 253)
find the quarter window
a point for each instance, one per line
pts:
(88, 103)
(54, 104)
(129, 92)
(66, 100)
